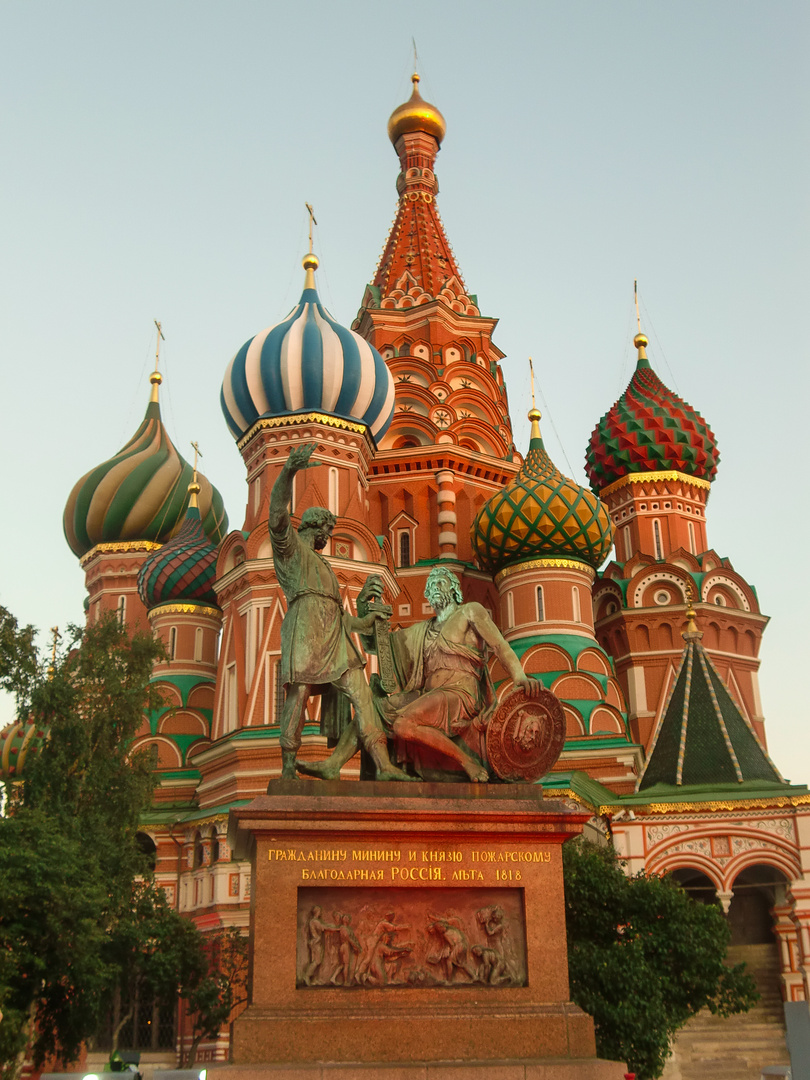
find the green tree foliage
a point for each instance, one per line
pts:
(68, 853)
(643, 957)
(18, 656)
(224, 987)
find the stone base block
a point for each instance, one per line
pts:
(460, 1033)
(547, 1069)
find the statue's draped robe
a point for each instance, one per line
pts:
(455, 675)
(316, 647)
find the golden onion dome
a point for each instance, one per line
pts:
(416, 115)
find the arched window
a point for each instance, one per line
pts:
(172, 642)
(540, 606)
(198, 644)
(214, 845)
(146, 846)
(279, 694)
(510, 608)
(575, 604)
(121, 611)
(198, 850)
(404, 547)
(333, 490)
(659, 547)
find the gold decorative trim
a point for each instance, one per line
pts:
(537, 564)
(652, 478)
(300, 418)
(118, 548)
(725, 804)
(185, 609)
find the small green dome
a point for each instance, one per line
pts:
(541, 514)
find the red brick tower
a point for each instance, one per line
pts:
(449, 447)
(652, 459)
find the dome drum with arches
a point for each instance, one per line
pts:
(308, 363)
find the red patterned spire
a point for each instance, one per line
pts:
(417, 263)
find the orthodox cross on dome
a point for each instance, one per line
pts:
(640, 340)
(197, 454)
(156, 378)
(312, 222)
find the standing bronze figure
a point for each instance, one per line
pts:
(316, 646)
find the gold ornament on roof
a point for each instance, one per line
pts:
(416, 115)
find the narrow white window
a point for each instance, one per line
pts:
(198, 644)
(628, 550)
(575, 604)
(510, 608)
(690, 528)
(232, 701)
(659, 547)
(540, 606)
(333, 491)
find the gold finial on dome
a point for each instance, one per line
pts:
(535, 415)
(416, 115)
(691, 632)
(310, 261)
(194, 488)
(156, 378)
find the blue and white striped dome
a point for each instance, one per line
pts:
(308, 363)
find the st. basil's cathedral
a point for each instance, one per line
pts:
(652, 653)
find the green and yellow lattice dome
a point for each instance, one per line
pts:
(541, 514)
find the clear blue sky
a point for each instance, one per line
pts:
(157, 157)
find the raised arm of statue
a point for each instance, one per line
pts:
(489, 632)
(281, 495)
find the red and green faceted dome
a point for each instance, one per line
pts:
(650, 429)
(541, 514)
(183, 570)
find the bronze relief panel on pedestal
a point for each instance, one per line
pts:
(364, 938)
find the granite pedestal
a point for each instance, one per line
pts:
(417, 923)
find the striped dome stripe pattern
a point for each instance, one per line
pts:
(308, 363)
(184, 569)
(139, 494)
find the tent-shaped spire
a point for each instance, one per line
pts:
(702, 737)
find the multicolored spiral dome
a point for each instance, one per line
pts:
(17, 742)
(308, 363)
(649, 429)
(183, 570)
(140, 494)
(541, 514)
